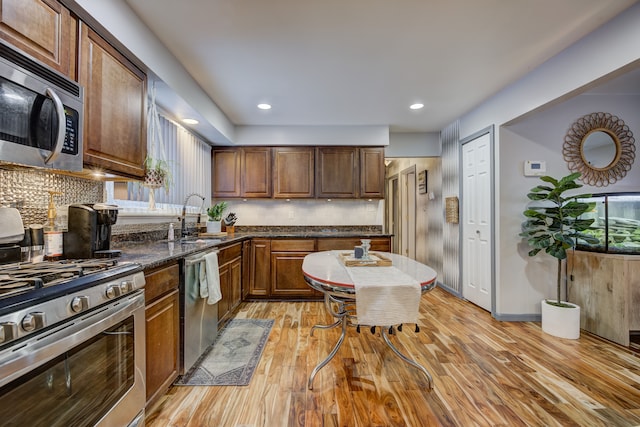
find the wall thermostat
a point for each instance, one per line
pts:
(535, 168)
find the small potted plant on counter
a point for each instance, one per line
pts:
(553, 225)
(214, 213)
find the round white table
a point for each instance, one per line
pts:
(326, 272)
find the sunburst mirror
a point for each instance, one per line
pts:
(601, 147)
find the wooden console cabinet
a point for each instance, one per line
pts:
(607, 289)
(162, 316)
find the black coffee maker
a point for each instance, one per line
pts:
(89, 231)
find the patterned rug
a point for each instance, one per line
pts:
(234, 355)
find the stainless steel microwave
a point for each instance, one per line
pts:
(41, 113)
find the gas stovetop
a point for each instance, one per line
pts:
(23, 277)
(20, 282)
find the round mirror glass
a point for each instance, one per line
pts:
(599, 149)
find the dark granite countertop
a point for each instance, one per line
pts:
(155, 253)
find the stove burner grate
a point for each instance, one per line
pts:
(23, 277)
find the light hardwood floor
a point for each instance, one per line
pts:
(486, 373)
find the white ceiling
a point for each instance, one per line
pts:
(362, 62)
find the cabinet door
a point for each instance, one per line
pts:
(235, 283)
(337, 172)
(246, 268)
(287, 279)
(42, 28)
(260, 275)
(163, 344)
(256, 172)
(372, 172)
(293, 172)
(115, 131)
(224, 305)
(225, 173)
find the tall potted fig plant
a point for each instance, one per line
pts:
(554, 226)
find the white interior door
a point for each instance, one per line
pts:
(476, 222)
(408, 212)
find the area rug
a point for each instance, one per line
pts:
(233, 356)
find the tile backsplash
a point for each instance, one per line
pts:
(27, 190)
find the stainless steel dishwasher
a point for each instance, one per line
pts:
(199, 320)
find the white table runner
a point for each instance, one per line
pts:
(385, 296)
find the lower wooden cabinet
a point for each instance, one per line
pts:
(287, 280)
(276, 264)
(162, 318)
(260, 269)
(230, 266)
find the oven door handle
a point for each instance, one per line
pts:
(197, 260)
(62, 126)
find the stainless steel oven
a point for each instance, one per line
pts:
(87, 369)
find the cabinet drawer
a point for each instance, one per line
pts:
(161, 280)
(229, 253)
(287, 245)
(347, 243)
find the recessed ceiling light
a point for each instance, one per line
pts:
(264, 106)
(190, 121)
(416, 106)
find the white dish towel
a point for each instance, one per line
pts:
(385, 296)
(210, 278)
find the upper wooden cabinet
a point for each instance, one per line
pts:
(225, 172)
(241, 172)
(115, 132)
(256, 172)
(337, 172)
(42, 28)
(298, 172)
(294, 172)
(372, 172)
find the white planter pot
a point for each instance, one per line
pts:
(562, 322)
(214, 226)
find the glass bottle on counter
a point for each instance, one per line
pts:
(53, 242)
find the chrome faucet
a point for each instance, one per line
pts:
(183, 227)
